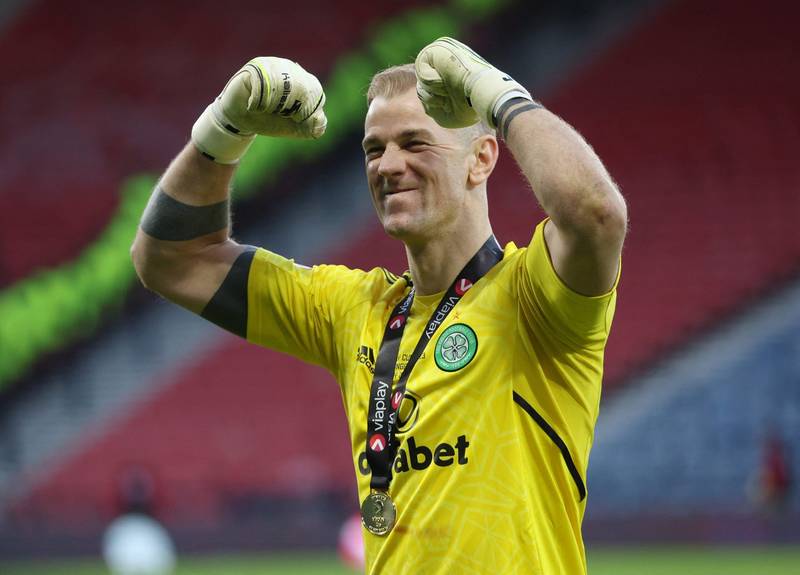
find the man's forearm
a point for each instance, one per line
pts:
(195, 180)
(568, 179)
(190, 201)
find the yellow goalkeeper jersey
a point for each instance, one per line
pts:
(498, 417)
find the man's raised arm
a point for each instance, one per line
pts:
(183, 248)
(588, 216)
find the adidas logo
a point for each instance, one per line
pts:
(366, 356)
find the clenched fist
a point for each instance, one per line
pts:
(458, 88)
(268, 96)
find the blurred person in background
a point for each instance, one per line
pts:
(135, 542)
(772, 482)
(471, 429)
(136, 491)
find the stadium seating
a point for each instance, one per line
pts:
(89, 105)
(678, 112)
(700, 445)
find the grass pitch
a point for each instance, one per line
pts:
(602, 561)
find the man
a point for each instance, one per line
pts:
(471, 384)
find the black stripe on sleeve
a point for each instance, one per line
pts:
(166, 218)
(228, 307)
(562, 447)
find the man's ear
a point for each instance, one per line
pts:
(483, 158)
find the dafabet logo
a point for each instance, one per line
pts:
(410, 454)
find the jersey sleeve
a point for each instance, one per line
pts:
(294, 308)
(576, 320)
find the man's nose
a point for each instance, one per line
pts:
(392, 162)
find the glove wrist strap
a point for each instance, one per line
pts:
(489, 90)
(504, 101)
(219, 142)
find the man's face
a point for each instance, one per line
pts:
(416, 170)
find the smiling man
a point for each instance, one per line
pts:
(472, 382)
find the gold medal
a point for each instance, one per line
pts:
(378, 513)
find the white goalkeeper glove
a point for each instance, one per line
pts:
(458, 88)
(267, 96)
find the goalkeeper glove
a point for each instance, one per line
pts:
(458, 88)
(267, 96)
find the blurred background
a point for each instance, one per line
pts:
(114, 402)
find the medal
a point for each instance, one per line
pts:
(378, 513)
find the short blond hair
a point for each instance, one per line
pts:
(392, 82)
(398, 80)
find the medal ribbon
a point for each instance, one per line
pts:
(385, 396)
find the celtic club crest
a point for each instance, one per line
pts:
(455, 347)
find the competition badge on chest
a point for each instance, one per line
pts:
(378, 511)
